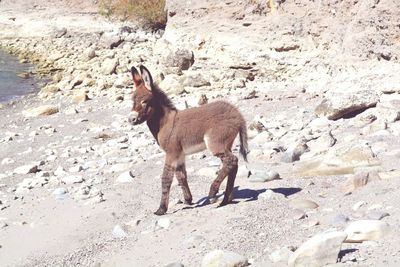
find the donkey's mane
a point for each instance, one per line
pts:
(162, 98)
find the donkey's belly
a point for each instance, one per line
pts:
(191, 149)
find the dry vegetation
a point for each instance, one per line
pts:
(151, 12)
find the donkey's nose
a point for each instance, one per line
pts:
(133, 117)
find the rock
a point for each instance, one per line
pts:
(90, 53)
(220, 258)
(119, 232)
(125, 177)
(323, 143)
(163, 223)
(3, 225)
(359, 180)
(109, 65)
(260, 176)
(294, 152)
(281, 255)
(338, 160)
(110, 40)
(377, 215)
(175, 264)
(339, 220)
(58, 33)
(301, 204)
(366, 230)
(358, 205)
(32, 168)
(338, 105)
(60, 193)
(79, 97)
(262, 138)
(45, 110)
(7, 161)
(195, 80)
(320, 250)
(180, 58)
(72, 179)
(172, 85)
(389, 174)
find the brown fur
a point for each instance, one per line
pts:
(213, 126)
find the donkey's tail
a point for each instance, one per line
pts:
(244, 147)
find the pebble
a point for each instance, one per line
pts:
(281, 255)
(175, 264)
(7, 161)
(60, 193)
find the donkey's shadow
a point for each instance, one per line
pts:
(247, 195)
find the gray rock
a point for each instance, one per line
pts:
(172, 84)
(359, 180)
(339, 220)
(220, 258)
(90, 53)
(181, 58)
(294, 152)
(109, 65)
(44, 110)
(337, 105)
(366, 230)
(320, 250)
(195, 80)
(163, 223)
(110, 40)
(26, 169)
(260, 176)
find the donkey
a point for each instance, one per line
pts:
(183, 132)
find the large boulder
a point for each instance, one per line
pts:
(337, 105)
(320, 250)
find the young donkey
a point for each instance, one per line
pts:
(179, 133)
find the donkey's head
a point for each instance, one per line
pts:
(142, 96)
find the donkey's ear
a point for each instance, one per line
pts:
(146, 76)
(137, 79)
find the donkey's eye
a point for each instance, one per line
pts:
(144, 102)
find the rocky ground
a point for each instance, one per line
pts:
(317, 82)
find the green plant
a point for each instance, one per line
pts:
(150, 12)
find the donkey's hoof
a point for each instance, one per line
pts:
(160, 211)
(224, 203)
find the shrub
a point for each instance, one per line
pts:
(150, 12)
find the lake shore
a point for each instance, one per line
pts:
(79, 184)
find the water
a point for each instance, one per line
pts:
(11, 85)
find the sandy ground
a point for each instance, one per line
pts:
(42, 227)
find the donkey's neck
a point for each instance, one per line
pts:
(159, 119)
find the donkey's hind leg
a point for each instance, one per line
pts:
(182, 180)
(229, 168)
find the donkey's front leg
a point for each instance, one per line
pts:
(166, 181)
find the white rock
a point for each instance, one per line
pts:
(163, 223)
(72, 179)
(366, 230)
(125, 177)
(220, 258)
(281, 254)
(119, 232)
(207, 172)
(32, 168)
(6, 161)
(320, 250)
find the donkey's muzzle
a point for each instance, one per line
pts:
(133, 118)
